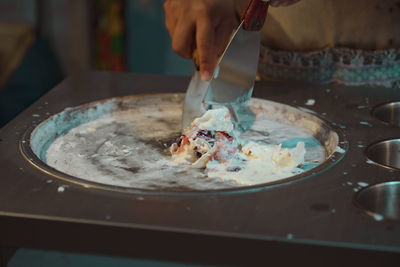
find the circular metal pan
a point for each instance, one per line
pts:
(37, 140)
(385, 153)
(381, 199)
(388, 112)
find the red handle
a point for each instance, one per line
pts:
(254, 15)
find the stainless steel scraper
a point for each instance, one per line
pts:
(233, 80)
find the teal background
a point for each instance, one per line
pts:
(148, 43)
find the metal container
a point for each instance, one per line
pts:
(388, 112)
(385, 153)
(380, 200)
(156, 122)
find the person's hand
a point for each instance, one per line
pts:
(202, 24)
(205, 25)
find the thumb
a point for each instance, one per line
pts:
(205, 43)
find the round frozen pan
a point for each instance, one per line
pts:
(123, 144)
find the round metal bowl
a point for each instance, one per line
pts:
(37, 140)
(381, 199)
(385, 153)
(388, 112)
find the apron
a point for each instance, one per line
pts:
(353, 42)
(337, 65)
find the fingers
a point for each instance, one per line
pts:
(213, 37)
(205, 47)
(170, 17)
(183, 39)
(203, 24)
(180, 27)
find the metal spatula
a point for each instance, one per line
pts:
(233, 80)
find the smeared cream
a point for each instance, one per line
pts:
(214, 120)
(211, 143)
(130, 148)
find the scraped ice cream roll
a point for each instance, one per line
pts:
(210, 142)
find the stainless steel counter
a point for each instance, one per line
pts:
(312, 220)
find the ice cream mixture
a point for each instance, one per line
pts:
(132, 148)
(212, 143)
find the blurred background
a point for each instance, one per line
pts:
(44, 41)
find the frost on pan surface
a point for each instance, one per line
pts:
(129, 146)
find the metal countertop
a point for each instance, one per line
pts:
(311, 219)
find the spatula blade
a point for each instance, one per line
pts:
(193, 106)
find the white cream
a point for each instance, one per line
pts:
(126, 147)
(264, 164)
(214, 120)
(230, 158)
